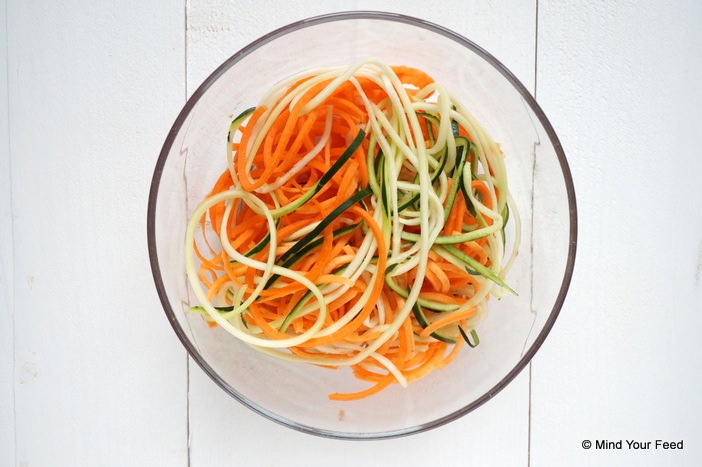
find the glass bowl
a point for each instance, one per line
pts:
(295, 394)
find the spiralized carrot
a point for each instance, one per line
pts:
(360, 223)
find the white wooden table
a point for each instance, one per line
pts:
(91, 373)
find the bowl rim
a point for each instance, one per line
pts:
(312, 21)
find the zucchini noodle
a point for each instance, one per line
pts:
(359, 222)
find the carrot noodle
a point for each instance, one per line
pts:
(360, 222)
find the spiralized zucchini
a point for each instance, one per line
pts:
(360, 222)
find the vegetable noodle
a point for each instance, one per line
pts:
(360, 222)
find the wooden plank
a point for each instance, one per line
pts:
(620, 82)
(7, 395)
(221, 429)
(93, 88)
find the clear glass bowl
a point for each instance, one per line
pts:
(296, 394)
